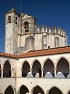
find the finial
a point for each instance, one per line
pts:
(13, 5)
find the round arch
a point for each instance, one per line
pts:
(55, 90)
(48, 67)
(37, 89)
(23, 90)
(7, 69)
(36, 68)
(9, 90)
(63, 66)
(25, 68)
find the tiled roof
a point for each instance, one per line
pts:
(50, 51)
(7, 55)
(34, 53)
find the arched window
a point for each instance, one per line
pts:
(9, 19)
(26, 26)
(29, 43)
(56, 42)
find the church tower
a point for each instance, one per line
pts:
(22, 34)
(11, 31)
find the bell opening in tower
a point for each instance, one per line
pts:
(26, 26)
(9, 19)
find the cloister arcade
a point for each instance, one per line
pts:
(37, 67)
(48, 66)
(35, 90)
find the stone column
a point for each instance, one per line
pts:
(12, 72)
(42, 72)
(1, 72)
(69, 69)
(30, 70)
(55, 68)
(21, 72)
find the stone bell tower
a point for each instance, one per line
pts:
(11, 31)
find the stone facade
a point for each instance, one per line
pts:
(23, 31)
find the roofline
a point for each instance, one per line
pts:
(13, 10)
(65, 49)
(7, 55)
(42, 55)
(36, 53)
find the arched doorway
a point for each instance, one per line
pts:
(7, 69)
(23, 90)
(37, 90)
(25, 69)
(49, 67)
(36, 68)
(63, 66)
(55, 90)
(9, 90)
(26, 26)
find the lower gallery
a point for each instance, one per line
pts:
(36, 72)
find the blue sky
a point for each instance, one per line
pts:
(47, 12)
